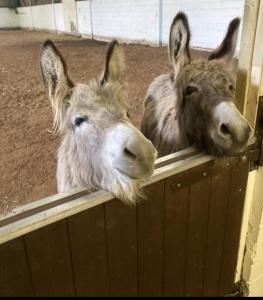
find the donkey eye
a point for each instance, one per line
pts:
(80, 120)
(128, 115)
(190, 90)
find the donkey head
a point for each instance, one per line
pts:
(104, 149)
(205, 91)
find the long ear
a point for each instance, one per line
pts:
(179, 40)
(114, 66)
(55, 77)
(227, 48)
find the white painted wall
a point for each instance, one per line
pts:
(8, 18)
(208, 19)
(59, 17)
(133, 20)
(70, 16)
(43, 17)
(83, 15)
(126, 19)
(24, 17)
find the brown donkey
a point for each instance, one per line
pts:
(100, 149)
(195, 105)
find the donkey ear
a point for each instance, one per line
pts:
(227, 48)
(114, 66)
(55, 77)
(179, 40)
(54, 69)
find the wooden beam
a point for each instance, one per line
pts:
(256, 72)
(246, 51)
(48, 216)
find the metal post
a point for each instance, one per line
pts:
(91, 20)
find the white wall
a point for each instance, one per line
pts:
(83, 15)
(133, 20)
(43, 17)
(70, 16)
(208, 19)
(24, 17)
(126, 19)
(59, 17)
(8, 18)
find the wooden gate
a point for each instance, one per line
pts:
(182, 240)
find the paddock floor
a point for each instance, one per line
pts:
(28, 146)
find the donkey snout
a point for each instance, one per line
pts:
(238, 134)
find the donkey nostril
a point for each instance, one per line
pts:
(224, 129)
(129, 154)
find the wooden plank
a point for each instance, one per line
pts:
(233, 227)
(49, 216)
(122, 248)
(196, 236)
(150, 217)
(89, 256)
(216, 224)
(50, 261)
(256, 72)
(14, 271)
(176, 215)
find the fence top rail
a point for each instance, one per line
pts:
(43, 212)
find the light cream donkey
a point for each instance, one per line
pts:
(100, 149)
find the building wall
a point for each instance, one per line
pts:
(43, 17)
(46, 17)
(24, 17)
(84, 17)
(146, 21)
(70, 16)
(135, 20)
(208, 19)
(8, 18)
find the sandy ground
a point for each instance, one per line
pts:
(28, 147)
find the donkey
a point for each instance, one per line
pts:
(194, 106)
(100, 148)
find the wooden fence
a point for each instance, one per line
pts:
(182, 240)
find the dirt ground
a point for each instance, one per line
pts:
(28, 147)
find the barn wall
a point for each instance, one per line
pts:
(70, 16)
(137, 19)
(43, 17)
(84, 17)
(59, 17)
(24, 17)
(208, 19)
(8, 18)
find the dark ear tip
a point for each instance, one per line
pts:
(113, 43)
(47, 44)
(180, 16)
(111, 46)
(234, 24)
